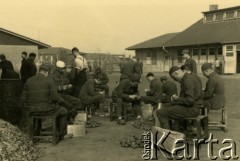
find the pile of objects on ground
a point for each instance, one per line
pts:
(15, 145)
(132, 142)
(144, 123)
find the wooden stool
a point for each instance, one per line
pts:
(223, 123)
(127, 105)
(35, 129)
(88, 110)
(201, 123)
(113, 110)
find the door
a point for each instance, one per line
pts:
(238, 61)
(166, 63)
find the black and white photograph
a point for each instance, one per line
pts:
(119, 80)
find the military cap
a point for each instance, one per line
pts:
(173, 69)
(45, 66)
(32, 55)
(185, 51)
(150, 75)
(24, 53)
(163, 78)
(206, 66)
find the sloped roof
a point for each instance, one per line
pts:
(208, 33)
(153, 43)
(40, 44)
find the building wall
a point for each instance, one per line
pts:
(152, 60)
(13, 53)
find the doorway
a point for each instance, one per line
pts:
(238, 62)
(166, 63)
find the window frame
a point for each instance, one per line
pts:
(230, 17)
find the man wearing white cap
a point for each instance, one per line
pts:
(64, 87)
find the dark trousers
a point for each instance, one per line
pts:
(175, 112)
(135, 104)
(105, 88)
(76, 105)
(93, 99)
(149, 100)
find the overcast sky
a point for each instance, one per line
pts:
(101, 25)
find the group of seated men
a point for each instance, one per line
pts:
(173, 106)
(56, 92)
(51, 92)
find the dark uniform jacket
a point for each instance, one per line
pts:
(103, 75)
(21, 68)
(191, 91)
(191, 63)
(155, 89)
(60, 79)
(28, 69)
(39, 92)
(88, 90)
(126, 88)
(215, 91)
(131, 70)
(169, 88)
(5, 65)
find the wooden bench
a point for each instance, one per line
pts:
(36, 133)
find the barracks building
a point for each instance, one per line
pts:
(215, 36)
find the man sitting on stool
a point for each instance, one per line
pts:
(127, 91)
(103, 86)
(39, 94)
(214, 94)
(88, 94)
(186, 105)
(154, 93)
(169, 89)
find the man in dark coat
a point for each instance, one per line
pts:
(24, 59)
(131, 70)
(187, 104)
(39, 94)
(154, 93)
(5, 65)
(103, 86)
(214, 94)
(63, 85)
(191, 63)
(169, 89)
(28, 68)
(127, 91)
(88, 94)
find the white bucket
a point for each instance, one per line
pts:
(147, 110)
(78, 129)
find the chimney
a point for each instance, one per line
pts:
(213, 7)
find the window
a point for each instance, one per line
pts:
(229, 48)
(151, 57)
(238, 14)
(179, 56)
(238, 47)
(154, 57)
(219, 51)
(229, 54)
(203, 52)
(149, 60)
(230, 15)
(195, 52)
(211, 51)
(219, 17)
(209, 18)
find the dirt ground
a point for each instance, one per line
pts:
(103, 143)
